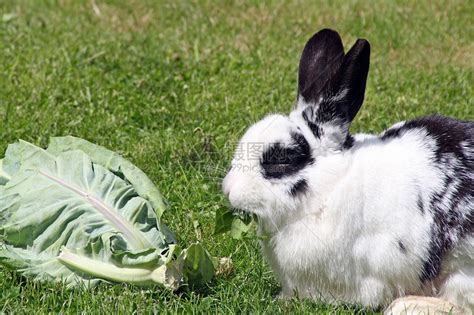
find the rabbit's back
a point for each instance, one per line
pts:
(451, 205)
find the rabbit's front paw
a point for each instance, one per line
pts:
(415, 305)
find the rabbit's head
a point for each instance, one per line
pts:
(273, 161)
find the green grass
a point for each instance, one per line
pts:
(172, 86)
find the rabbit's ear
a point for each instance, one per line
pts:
(321, 58)
(347, 88)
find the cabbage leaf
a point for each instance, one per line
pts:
(79, 213)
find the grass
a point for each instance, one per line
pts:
(173, 85)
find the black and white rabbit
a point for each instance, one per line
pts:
(364, 219)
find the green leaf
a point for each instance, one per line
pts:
(80, 213)
(198, 267)
(224, 219)
(228, 221)
(115, 163)
(240, 226)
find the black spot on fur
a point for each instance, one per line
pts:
(448, 133)
(279, 161)
(393, 133)
(314, 127)
(325, 116)
(349, 143)
(451, 206)
(419, 203)
(453, 215)
(326, 112)
(300, 187)
(402, 247)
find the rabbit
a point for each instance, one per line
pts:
(373, 220)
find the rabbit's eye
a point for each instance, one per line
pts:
(279, 160)
(277, 154)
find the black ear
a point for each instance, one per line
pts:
(321, 58)
(347, 88)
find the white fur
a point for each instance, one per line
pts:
(339, 242)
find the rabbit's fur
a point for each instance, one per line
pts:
(358, 219)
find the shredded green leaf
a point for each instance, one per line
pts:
(238, 224)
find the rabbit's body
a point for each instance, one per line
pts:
(359, 219)
(371, 233)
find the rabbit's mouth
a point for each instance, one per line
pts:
(243, 212)
(244, 215)
(237, 211)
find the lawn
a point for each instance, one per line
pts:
(173, 85)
